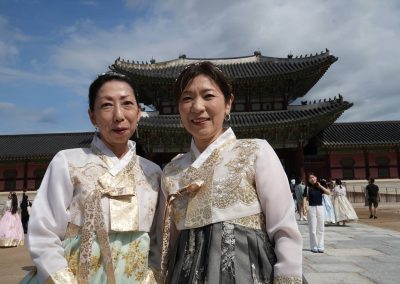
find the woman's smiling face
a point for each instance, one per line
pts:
(202, 108)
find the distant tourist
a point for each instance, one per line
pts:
(372, 191)
(327, 203)
(25, 208)
(301, 205)
(316, 213)
(344, 211)
(11, 231)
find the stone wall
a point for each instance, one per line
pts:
(389, 191)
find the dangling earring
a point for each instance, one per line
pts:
(96, 130)
(227, 117)
(137, 131)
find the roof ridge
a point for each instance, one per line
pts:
(47, 134)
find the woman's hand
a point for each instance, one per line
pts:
(327, 191)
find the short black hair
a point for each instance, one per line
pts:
(104, 78)
(203, 68)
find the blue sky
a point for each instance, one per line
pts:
(50, 51)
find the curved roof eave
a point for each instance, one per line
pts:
(286, 118)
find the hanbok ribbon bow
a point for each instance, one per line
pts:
(190, 189)
(121, 190)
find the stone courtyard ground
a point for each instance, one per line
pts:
(15, 262)
(388, 216)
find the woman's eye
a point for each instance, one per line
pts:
(209, 96)
(106, 105)
(186, 99)
(128, 103)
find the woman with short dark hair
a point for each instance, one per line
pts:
(231, 211)
(93, 212)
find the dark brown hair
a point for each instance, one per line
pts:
(203, 68)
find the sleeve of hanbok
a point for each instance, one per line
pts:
(156, 236)
(277, 204)
(48, 223)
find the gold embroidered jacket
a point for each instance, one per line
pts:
(235, 180)
(90, 189)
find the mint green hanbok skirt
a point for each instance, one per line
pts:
(129, 253)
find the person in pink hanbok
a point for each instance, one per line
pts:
(11, 231)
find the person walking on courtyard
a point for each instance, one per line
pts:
(231, 206)
(344, 211)
(11, 231)
(372, 191)
(301, 206)
(316, 212)
(25, 206)
(327, 203)
(93, 212)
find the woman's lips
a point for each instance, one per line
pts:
(200, 120)
(119, 130)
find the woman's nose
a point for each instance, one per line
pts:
(118, 114)
(198, 105)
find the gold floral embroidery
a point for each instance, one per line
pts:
(256, 221)
(115, 254)
(237, 186)
(122, 185)
(199, 206)
(73, 261)
(95, 263)
(62, 277)
(136, 261)
(280, 279)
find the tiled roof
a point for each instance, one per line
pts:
(294, 114)
(361, 134)
(255, 66)
(40, 146)
(45, 146)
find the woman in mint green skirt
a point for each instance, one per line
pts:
(93, 212)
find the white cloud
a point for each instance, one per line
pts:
(15, 119)
(9, 39)
(363, 34)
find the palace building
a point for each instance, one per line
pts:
(304, 135)
(264, 88)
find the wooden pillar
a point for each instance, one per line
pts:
(328, 165)
(366, 163)
(300, 171)
(26, 168)
(398, 161)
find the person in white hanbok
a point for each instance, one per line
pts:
(344, 211)
(230, 216)
(93, 212)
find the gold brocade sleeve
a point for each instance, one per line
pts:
(64, 276)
